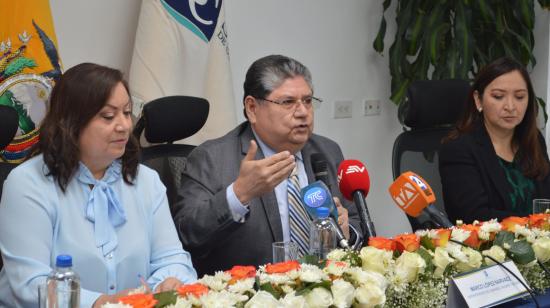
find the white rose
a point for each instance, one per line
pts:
(336, 255)
(262, 299)
(182, 302)
(215, 283)
(220, 299)
(459, 235)
(370, 295)
(335, 269)
(319, 297)
(375, 259)
(343, 293)
(441, 260)
(408, 266)
(311, 273)
(496, 252)
(541, 246)
(474, 260)
(292, 301)
(364, 277)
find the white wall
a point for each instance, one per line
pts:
(332, 38)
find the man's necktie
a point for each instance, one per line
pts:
(299, 220)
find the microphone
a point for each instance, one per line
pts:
(354, 183)
(9, 122)
(317, 195)
(319, 165)
(413, 195)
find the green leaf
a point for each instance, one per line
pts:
(271, 290)
(435, 39)
(486, 11)
(430, 267)
(521, 252)
(504, 237)
(427, 243)
(313, 260)
(310, 286)
(165, 298)
(378, 43)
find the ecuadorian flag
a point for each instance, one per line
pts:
(29, 66)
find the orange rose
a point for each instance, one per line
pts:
(382, 243)
(541, 221)
(408, 242)
(337, 263)
(139, 300)
(473, 240)
(443, 236)
(196, 289)
(510, 223)
(241, 272)
(282, 267)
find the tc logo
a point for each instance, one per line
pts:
(315, 197)
(199, 16)
(407, 194)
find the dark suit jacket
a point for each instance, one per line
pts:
(203, 217)
(474, 183)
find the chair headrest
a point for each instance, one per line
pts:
(172, 118)
(9, 122)
(433, 103)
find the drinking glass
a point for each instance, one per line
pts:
(284, 251)
(541, 205)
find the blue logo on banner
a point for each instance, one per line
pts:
(315, 197)
(199, 16)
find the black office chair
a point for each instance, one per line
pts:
(165, 120)
(430, 112)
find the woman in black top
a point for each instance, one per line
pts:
(495, 163)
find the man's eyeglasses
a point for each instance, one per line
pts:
(292, 103)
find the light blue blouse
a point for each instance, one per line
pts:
(38, 222)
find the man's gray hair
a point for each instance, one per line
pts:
(268, 73)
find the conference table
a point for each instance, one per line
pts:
(544, 301)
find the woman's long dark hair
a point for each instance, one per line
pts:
(81, 92)
(530, 156)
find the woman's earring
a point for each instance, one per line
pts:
(479, 109)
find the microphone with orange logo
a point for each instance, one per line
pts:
(354, 183)
(413, 195)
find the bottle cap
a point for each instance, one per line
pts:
(64, 261)
(322, 212)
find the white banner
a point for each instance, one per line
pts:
(181, 48)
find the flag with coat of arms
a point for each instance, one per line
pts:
(29, 66)
(181, 48)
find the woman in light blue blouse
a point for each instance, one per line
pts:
(83, 193)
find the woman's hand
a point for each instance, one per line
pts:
(170, 283)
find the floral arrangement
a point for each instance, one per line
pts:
(410, 270)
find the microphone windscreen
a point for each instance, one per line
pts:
(9, 122)
(353, 176)
(411, 193)
(319, 165)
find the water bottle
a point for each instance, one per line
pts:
(63, 285)
(322, 237)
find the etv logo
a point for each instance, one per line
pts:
(315, 197)
(407, 195)
(355, 169)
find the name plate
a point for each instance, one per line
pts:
(485, 287)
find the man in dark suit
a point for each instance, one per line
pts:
(233, 203)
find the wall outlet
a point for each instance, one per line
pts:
(343, 109)
(371, 107)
